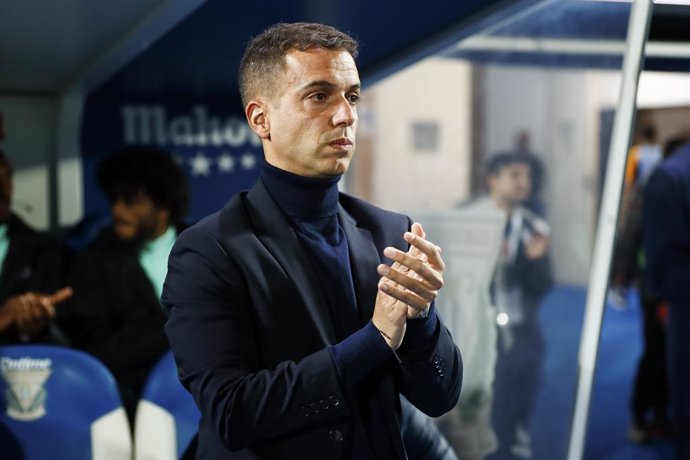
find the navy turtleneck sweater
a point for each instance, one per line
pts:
(311, 206)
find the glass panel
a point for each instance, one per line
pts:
(498, 145)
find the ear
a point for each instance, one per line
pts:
(258, 119)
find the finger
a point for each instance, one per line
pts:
(25, 311)
(32, 307)
(418, 286)
(418, 230)
(47, 307)
(60, 295)
(36, 307)
(407, 297)
(424, 270)
(390, 304)
(426, 247)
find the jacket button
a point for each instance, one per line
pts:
(335, 435)
(324, 404)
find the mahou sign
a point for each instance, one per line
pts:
(215, 145)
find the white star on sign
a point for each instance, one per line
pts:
(248, 161)
(226, 163)
(201, 165)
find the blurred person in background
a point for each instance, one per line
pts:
(666, 237)
(523, 277)
(523, 149)
(649, 402)
(31, 275)
(115, 313)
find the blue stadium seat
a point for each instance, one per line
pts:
(167, 417)
(60, 404)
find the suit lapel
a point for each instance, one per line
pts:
(364, 259)
(276, 234)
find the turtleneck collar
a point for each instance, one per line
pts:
(299, 196)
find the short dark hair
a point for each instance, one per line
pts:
(5, 162)
(648, 133)
(672, 145)
(500, 160)
(150, 170)
(264, 56)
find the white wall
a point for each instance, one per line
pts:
(30, 130)
(433, 91)
(663, 89)
(560, 109)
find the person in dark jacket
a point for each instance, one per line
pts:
(666, 238)
(522, 278)
(299, 314)
(31, 275)
(116, 313)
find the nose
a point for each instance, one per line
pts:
(345, 113)
(118, 207)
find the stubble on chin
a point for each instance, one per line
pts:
(341, 166)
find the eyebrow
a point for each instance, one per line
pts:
(327, 84)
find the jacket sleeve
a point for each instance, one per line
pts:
(430, 370)
(213, 330)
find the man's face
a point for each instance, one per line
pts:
(138, 218)
(311, 116)
(512, 184)
(5, 193)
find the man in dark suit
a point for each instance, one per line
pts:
(522, 278)
(666, 236)
(116, 313)
(31, 275)
(299, 314)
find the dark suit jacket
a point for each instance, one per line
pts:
(33, 262)
(115, 314)
(532, 276)
(667, 228)
(249, 328)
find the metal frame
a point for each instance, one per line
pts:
(604, 242)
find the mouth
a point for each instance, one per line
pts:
(344, 144)
(121, 223)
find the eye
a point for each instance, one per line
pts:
(353, 98)
(318, 97)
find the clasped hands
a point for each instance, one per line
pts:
(408, 286)
(30, 311)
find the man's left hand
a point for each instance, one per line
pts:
(415, 276)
